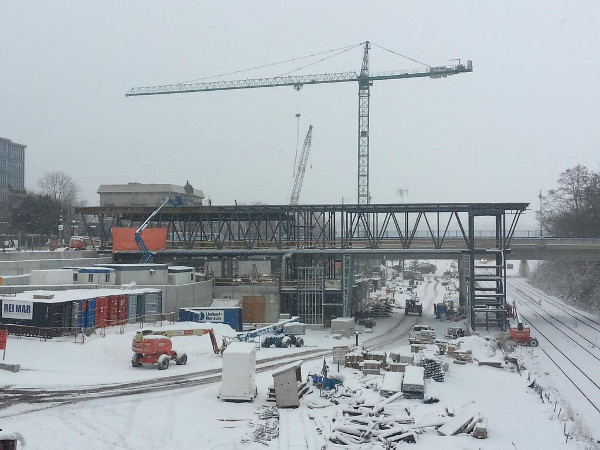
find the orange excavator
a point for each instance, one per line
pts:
(155, 346)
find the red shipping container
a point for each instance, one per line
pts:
(101, 311)
(122, 316)
(113, 309)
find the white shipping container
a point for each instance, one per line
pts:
(239, 370)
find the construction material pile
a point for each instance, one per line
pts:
(362, 424)
(433, 367)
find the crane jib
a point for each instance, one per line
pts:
(294, 81)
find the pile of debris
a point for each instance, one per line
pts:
(363, 423)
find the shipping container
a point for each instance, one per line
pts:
(113, 310)
(101, 312)
(231, 316)
(91, 313)
(132, 302)
(122, 313)
(150, 305)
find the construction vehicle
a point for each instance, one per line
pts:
(455, 333)
(76, 243)
(146, 255)
(421, 334)
(521, 335)
(155, 346)
(269, 329)
(282, 341)
(413, 306)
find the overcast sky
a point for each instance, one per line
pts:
(527, 112)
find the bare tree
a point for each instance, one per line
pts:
(59, 186)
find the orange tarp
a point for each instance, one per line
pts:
(124, 239)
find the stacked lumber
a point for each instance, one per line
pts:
(391, 384)
(413, 383)
(466, 356)
(353, 360)
(396, 367)
(371, 367)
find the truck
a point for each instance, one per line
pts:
(155, 347)
(413, 306)
(421, 334)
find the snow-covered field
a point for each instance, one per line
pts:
(185, 413)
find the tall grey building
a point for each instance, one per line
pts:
(12, 167)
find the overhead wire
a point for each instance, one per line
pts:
(400, 54)
(322, 59)
(344, 49)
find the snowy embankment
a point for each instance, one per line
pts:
(565, 366)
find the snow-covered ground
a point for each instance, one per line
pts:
(189, 415)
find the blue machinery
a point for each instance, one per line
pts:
(146, 255)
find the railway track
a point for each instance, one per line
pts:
(42, 399)
(585, 319)
(572, 353)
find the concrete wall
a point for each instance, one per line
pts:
(149, 277)
(16, 280)
(269, 291)
(216, 267)
(55, 276)
(22, 267)
(173, 297)
(21, 256)
(184, 295)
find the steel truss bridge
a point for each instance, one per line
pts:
(323, 235)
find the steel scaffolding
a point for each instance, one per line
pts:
(310, 293)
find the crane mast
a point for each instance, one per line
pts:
(299, 178)
(364, 79)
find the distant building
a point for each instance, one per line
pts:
(12, 167)
(138, 194)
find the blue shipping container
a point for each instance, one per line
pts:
(230, 316)
(78, 315)
(91, 313)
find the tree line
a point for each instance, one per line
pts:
(572, 209)
(41, 212)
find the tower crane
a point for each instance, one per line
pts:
(364, 79)
(299, 178)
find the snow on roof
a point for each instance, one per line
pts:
(414, 375)
(72, 294)
(121, 267)
(180, 269)
(95, 270)
(146, 188)
(292, 366)
(240, 348)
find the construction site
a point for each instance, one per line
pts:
(300, 325)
